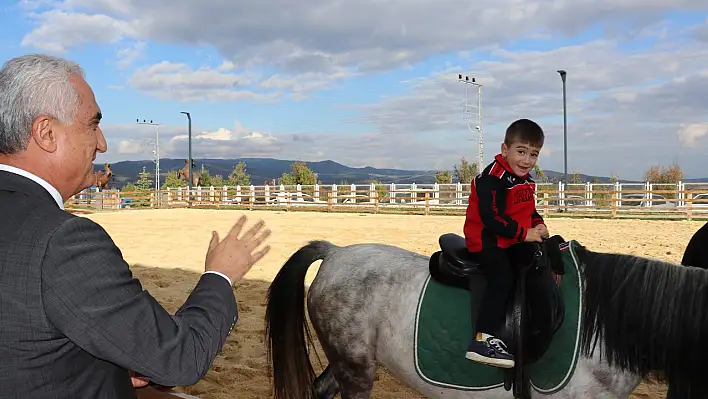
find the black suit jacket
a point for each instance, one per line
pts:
(73, 320)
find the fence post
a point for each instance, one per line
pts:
(689, 206)
(545, 203)
(613, 203)
(427, 203)
(329, 201)
(252, 198)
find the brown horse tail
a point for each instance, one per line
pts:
(286, 327)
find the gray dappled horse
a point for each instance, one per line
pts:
(642, 316)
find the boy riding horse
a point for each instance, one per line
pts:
(501, 217)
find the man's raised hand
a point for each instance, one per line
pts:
(234, 256)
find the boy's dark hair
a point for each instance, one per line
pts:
(525, 131)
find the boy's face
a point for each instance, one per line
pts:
(521, 157)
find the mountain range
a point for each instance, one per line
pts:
(329, 172)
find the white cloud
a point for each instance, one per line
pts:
(128, 147)
(324, 35)
(59, 30)
(624, 109)
(690, 134)
(126, 56)
(167, 80)
(629, 106)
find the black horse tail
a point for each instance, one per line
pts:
(286, 327)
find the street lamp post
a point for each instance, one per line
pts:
(565, 131)
(156, 152)
(189, 163)
(478, 127)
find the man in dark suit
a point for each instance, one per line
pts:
(74, 323)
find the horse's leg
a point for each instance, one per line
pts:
(341, 322)
(349, 347)
(326, 386)
(354, 372)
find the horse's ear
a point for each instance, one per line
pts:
(552, 247)
(559, 238)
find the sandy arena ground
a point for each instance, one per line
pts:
(167, 248)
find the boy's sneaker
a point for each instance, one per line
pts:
(491, 351)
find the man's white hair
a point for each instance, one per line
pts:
(30, 86)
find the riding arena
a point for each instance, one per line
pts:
(164, 239)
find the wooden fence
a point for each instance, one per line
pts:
(681, 200)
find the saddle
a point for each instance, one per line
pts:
(533, 314)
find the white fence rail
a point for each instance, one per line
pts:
(592, 199)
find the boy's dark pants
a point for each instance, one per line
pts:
(498, 265)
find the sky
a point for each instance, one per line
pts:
(375, 83)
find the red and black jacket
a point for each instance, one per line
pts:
(501, 208)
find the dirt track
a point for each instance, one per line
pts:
(167, 250)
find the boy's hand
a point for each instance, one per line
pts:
(533, 235)
(543, 230)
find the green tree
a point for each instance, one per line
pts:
(575, 178)
(465, 172)
(205, 179)
(172, 181)
(538, 174)
(299, 174)
(144, 183)
(659, 174)
(218, 181)
(239, 176)
(381, 190)
(664, 178)
(443, 177)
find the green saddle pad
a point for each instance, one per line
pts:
(443, 330)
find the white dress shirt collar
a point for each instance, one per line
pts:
(52, 191)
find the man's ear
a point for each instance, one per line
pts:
(43, 133)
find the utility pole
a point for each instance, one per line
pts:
(189, 162)
(478, 127)
(156, 155)
(565, 131)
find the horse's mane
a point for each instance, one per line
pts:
(651, 315)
